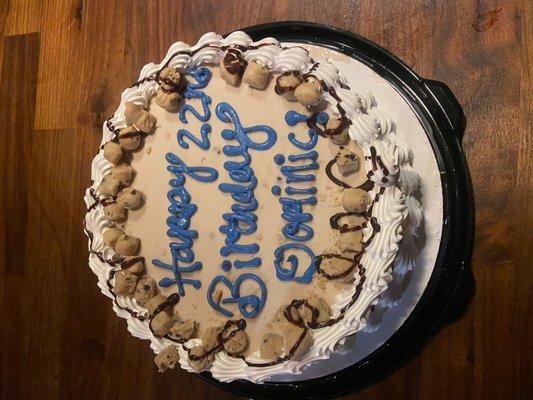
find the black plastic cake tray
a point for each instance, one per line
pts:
(451, 284)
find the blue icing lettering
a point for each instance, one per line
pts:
(239, 171)
(297, 228)
(202, 143)
(234, 229)
(242, 220)
(311, 143)
(292, 190)
(276, 190)
(240, 193)
(296, 218)
(226, 113)
(200, 173)
(292, 118)
(292, 171)
(249, 305)
(225, 265)
(279, 159)
(253, 263)
(178, 223)
(322, 118)
(285, 274)
(312, 155)
(202, 76)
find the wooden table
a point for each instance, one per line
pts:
(64, 65)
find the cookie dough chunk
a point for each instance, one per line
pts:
(308, 93)
(297, 341)
(210, 336)
(256, 75)
(168, 358)
(113, 152)
(114, 212)
(145, 123)
(337, 131)
(287, 83)
(129, 138)
(347, 162)
(271, 346)
(145, 290)
(318, 304)
(160, 323)
(130, 198)
(232, 66)
(111, 236)
(136, 267)
(132, 112)
(351, 241)
(234, 341)
(231, 78)
(124, 283)
(338, 268)
(203, 361)
(127, 245)
(123, 173)
(185, 329)
(355, 200)
(109, 186)
(169, 79)
(280, 319)
(152, 304)
(169, 101)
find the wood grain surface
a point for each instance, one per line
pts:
(64, 64)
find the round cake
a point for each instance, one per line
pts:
(247, 207)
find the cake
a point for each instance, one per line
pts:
(246, 207)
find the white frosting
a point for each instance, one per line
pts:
(397, 212)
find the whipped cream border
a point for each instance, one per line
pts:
(398, 212)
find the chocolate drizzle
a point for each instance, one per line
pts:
(296, 304)
(130, 134)
(352, 301)
(134, 314)
(312, 122)
(112, 127)
(282, 89)
(106, 202)
(367, 186)
(377, 163)
(128, 263)
(101, 258)
(171, 300)
(234, 62)
(288, 313)
(92, 192)
(166, 81)
(332, 177)
(286, 357)
(355, 262)
(344, 123)
(335, 219)
(239, 324)
(156, 77)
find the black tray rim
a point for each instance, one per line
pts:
(451, 284)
